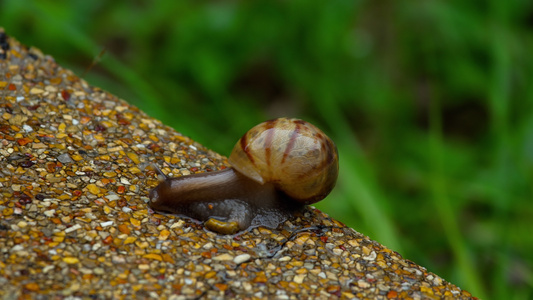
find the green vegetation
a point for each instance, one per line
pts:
(429, 102)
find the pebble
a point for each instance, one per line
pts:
(93, 189)
(36, 91)
(239, 259)
(106, 224)
(65, 158)
(164, 234)
(112, 197)
(71, 260)
(73, 228)
(224, 256)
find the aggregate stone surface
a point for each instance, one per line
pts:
(74, 220)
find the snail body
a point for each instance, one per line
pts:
(278, 167)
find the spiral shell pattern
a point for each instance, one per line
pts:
(294, 155)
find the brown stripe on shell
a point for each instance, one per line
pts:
(331, 153)
(292, 140)
(268, 139)
(244, 147)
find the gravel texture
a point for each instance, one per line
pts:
(74, 220)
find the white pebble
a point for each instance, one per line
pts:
(223, 257)
(371, 256)
(48, 268)
(241, 258)
(106, 224)
(337, 251)
(112, 197)
(299, 278)
(363, 284)
(73, 228)
(17, 248)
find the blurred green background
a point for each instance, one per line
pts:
(429, 102)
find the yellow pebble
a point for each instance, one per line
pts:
(93, 189)
(77, 157)
(153, 256)
(7, 211)
(128, 116)
(137, 287)
(32, 286)
(134, 170)
(130, 240)
(64, 197)
(141, 213)
(181, 138)
(142, 245)
(36, 91)
(133, 156)
(107, 124)
(71, 260)
(99, 137)
(426, 290)
(164, 234)
(135, 222)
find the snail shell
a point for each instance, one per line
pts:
(277, 167)
(294, 155)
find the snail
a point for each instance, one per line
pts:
(277, 168)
